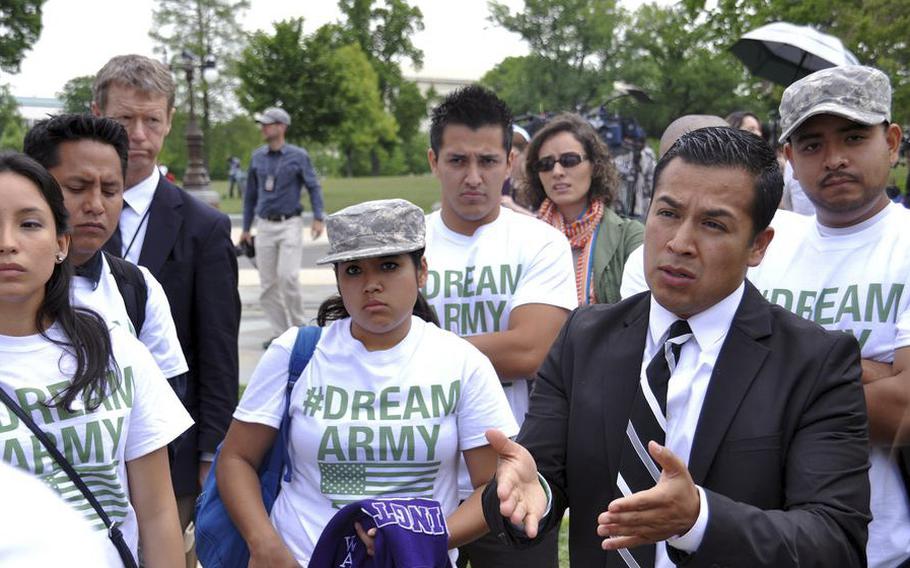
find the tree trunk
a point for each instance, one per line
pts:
(374, 162)
(349, 162)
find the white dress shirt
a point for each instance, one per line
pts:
(686, 391)
(133, 219)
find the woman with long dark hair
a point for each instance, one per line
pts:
(571, 182)
(96, 393)
(386, 407)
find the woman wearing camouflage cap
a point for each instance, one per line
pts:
(386, 406)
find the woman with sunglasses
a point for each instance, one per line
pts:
(571, 181)
(96, 393)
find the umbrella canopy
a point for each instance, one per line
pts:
(782, 52)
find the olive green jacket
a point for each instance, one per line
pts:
(616, 239)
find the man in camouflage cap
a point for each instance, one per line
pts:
(385, 227)
(848, 269)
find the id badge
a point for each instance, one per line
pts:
(269, 183)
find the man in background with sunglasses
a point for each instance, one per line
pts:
(502, 280)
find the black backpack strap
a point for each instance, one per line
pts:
(113, 531)
(132, 287)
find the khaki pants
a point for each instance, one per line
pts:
(279, 249)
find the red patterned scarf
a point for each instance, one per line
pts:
(580, 233)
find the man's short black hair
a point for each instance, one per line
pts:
(723, 147)
(472, 106)
(43, 141)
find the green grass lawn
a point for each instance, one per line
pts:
(420, 190)
(338, 193)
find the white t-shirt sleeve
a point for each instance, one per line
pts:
(264, 397)
(633, 274)
(159, 334)
(157, 417)
(483, 404)
(549, 277)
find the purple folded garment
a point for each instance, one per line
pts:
(411, 533)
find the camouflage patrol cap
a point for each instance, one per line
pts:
(855, 92)
(384, 227)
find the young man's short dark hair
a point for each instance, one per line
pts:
(472, 106)
(43, 141)
(720, 146)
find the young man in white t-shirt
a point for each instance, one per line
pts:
(502, 280)
(87, 156)
(849, 269)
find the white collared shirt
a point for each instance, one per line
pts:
(139, 199)
(686, 391)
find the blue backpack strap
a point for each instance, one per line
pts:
(304, 346)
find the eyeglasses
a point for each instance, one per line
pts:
(567, 160)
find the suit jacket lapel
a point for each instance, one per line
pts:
(621, 370)
(164, 224)
(738, 363)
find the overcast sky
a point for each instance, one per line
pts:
(79, 36)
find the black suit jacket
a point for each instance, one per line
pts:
(188, 248)
(781, 445)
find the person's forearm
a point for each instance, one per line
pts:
(887, 403)
(467, 524)
(161, 540)
(875, 370)
(238, 484)
(511, 357)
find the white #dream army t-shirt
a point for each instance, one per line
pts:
(856, 279)
(475, 282)
(158, 334)
(139, 416)
(373, 423)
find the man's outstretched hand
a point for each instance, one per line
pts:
(521, 498)
(668, 509)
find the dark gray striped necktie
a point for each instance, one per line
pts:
(648, 421)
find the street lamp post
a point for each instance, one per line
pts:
(196, 178)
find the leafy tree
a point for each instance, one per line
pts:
(287, 69)
(12, 127)
(519, 81)
(383, 30)
(409, 107)
(875, 30)
(20, 27)
(238, 136)
(572, 45)
(77, 94)
(364, 123)
(203, 27)
(673, 60)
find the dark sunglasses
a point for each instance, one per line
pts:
(567, 160)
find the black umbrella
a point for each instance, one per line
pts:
(782, 52)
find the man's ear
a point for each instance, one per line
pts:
(788, 153)
(433, 159)
(893, 136)
(96, 110)
(760, 246)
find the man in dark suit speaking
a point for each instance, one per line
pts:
(187, 246)
(696, 424)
